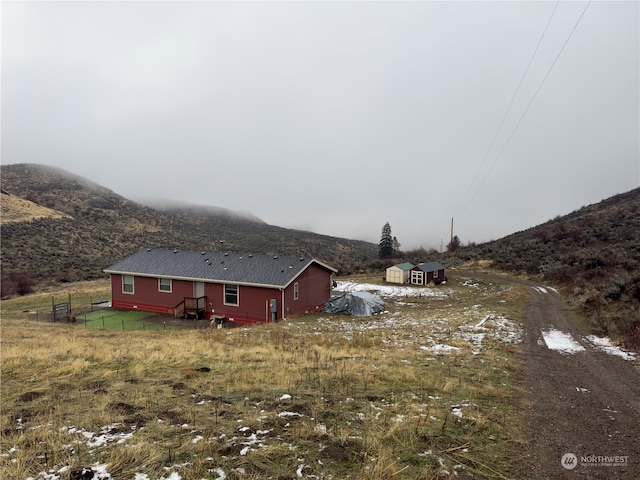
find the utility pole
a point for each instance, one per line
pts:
(451, 243)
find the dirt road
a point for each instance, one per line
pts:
(582, 406)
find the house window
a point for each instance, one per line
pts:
(231, 295)
(164, 285)
(127, 284)
(435, 274)
(296, 291)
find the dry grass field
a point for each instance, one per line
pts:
(425, 390)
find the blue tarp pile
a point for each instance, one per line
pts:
(359, 304)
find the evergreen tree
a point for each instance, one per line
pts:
(386, 242)
(455, 245)
(396, 245)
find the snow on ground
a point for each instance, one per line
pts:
(607, 346)
(392, 290)
(565, 343)
(436, 331)
(561, 342)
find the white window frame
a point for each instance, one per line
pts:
(125, 283)
(237, 294)
(435, 274)
(417, 275)
(160, 285)
(296, 291)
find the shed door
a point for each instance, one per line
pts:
(198, 289)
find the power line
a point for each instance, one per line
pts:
(506, 113)
(531, 101)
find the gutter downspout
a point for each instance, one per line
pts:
(282, 302)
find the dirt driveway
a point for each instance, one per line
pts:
(581, 405)
(582, 414)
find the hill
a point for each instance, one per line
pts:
(76, 228)
(592, 255)
(16, 209)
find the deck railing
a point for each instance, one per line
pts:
(196, 306)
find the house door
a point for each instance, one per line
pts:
(198, 289)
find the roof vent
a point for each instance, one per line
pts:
(290, 266)
(275, 257)
(250, 255)
(240, 257)
(282, 271)
(206, 259)
(148, 249)
(202, 253)
(175, 251)
(226, 254)
(302, 259)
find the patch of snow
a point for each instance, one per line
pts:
(440, 349)
(561, 342)
(221, 474)
(605, 344)
(286, 396)
(391, 290)
(457, 412)
(289, 414)
(173, 476)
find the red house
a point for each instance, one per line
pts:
(242, 288)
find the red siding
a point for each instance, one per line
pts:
(314, 287)
(428, 276)
(147, 295)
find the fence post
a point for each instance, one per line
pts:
(102, 321)
(123, 324)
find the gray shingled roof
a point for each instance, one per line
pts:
(405, 266)
(430, 266)
(275, 271)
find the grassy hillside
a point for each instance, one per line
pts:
(592, 255)
(78, 228)
(16, 209)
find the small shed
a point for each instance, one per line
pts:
(399, 273)
(425, 273)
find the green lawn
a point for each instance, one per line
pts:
(120, 320)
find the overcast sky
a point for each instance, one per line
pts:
(334, 117)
